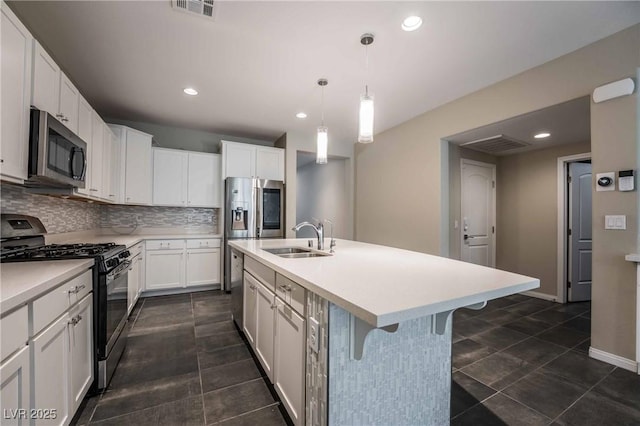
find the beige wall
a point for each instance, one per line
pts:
(402, 196)
(527, 214)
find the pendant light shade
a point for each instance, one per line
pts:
(365, 132)
(365, 119)
(321, 145)
(322, 141)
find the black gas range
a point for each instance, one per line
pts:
(23, 241)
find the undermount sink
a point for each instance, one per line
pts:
(295, 252)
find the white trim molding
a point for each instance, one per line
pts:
(543, 296)
(612, 359)
(562, 222)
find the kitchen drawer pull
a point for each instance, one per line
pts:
(273, 306)
(252, 287)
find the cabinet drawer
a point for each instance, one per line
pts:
(260, 271)
(53, 304)
(14, 332)
(165, 244)
(204, 243)
(292, 293)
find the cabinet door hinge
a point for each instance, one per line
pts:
(493, 229)
(568, 179)
(569, 232)
(568, 284)
(493, 183)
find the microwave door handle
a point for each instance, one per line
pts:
(84, 163)
(75, 176)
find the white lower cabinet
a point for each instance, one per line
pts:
(15, 388)
(277, 334)
(81, 349)
(203, 266)
(177, 264)
(51, 361)
(249, 298)
(165, 269)
(289, 360)
(63, 365)
(265, 306)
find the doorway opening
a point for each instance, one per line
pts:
(574, 228)
(322, 193)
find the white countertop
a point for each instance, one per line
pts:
(633, 257)
(384, 285)
(21, 282)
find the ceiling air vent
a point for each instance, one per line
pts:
(495, 144)
(204, 8)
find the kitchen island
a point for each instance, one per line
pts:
(377, 345)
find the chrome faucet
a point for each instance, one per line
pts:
(319, 231)
(332, 241)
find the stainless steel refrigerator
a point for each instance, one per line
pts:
(254, 208)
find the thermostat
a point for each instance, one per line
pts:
(606, 181)
(625, 180)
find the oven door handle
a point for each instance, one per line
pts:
(123, 269)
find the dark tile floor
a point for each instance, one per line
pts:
(185, 364)
(524, 361)
(519, 361)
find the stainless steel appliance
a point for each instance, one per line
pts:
(254, 208)
(237, 269)
(23, 241)
(57, 157)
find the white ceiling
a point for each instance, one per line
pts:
(568, 122)
(257, 64)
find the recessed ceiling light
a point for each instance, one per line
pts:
(542, 135)
(190, 91)
(411, 23)
(301, 115)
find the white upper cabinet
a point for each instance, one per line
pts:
(183, 178)
(95, 168)
(68, 105)
(107, 192)
(239, 159)
(16, 44)
(45, 90)
(169, 177)
(252, 161)
(269, 163)
(85, 122)
(52, 91)
(204, 186)
(137, 157)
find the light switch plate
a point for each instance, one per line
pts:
(618, 222)
(314, 335)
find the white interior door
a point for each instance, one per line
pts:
(478, 213)
(579, 244)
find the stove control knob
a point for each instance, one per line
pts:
(112, 263)
(124, 254)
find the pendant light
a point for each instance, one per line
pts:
(323, 138)
(365, 127)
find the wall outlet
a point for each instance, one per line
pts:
(314, 335)
(618, 222)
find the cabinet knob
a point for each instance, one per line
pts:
(60, 115)
(1, 161)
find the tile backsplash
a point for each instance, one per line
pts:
(63, 215)
(57, 214)
(200, 219)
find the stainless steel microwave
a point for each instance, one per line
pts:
(57, 156)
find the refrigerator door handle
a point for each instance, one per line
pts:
(258, 211)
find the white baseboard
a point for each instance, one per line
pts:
(168, 292)
(543, 296)
(612, 359)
